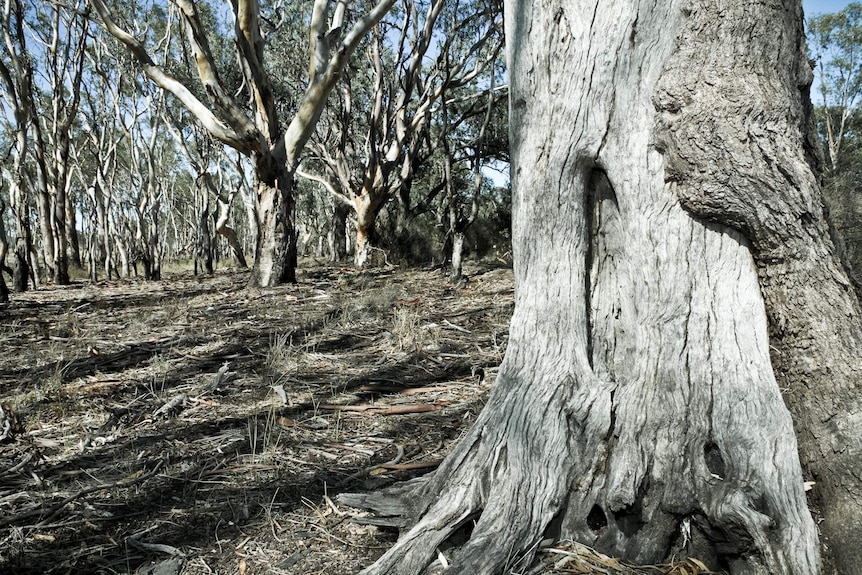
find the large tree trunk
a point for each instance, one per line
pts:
(637, 409)
(275, 210)
(739, 147)
(367, 207)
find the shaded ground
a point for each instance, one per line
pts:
(235, 476)
(196, 426)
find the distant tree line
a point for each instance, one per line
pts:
(133, 133)
(835, 48)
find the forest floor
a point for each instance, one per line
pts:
(197, 426)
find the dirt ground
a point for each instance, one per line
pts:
(197, 426)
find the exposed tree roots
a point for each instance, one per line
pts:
(547, 460)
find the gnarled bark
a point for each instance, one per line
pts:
(739, 144)
(636, 410)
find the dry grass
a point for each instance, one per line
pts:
(203, 427)
(136, 451)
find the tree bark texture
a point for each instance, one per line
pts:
(276, 249)
(636, 409)
(204, 243)
(21, 270)
(367, 206)
(738, 140)
(4, 249)
(337, 236)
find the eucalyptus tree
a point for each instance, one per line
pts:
(16, 72)
(208, 164)
(124, 161)
(244, 114)
(674, 274)
(835, 45)
(55, 55)
(96, 154)
(418, 53)
(467, 140)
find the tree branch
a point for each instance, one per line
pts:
(242, 142)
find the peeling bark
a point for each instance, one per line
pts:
(636, 409)
(276, 249)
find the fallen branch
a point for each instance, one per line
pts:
(134, 541)
(403, 390)
(57, 507)
(172, 404)
(18, 465)
(448, 323)
(411, 466)
(390, 410)
(363, 472)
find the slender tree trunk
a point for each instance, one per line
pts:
(73, 251)
(4, 289)
(94, 260)
(21, 270)
(228, 232)
(153, 249)
(275, 210)
(46, 231)
(650, 142)
(337, 236)
(456, 272)
(4, 249)
(61, 244)
(204, 243)
(123, 250)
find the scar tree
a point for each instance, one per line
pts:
(674, 272)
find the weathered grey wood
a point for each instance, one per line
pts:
(747, 165)
(666, 222)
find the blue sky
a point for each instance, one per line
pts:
(820, 6)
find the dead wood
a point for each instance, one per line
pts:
(92, 370)
(53, 510)
(391, 410)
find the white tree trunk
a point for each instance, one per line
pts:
(637, 403)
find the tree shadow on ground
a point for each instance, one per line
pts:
(234, 472)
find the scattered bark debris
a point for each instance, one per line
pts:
(195, 426)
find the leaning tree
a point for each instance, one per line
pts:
(669, 241)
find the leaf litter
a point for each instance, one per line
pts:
(195, 425)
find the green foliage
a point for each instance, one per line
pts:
(835, 44)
